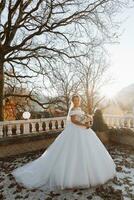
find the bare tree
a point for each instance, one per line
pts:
(64, 83)
(33, 34)
(91, 71)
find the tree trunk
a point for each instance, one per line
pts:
(89, 103)
(89, 106)
(1, 89)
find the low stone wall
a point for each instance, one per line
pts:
(17, 145)
(121, 136)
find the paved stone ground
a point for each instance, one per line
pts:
(120, 188)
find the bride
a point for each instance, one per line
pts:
(76, 159)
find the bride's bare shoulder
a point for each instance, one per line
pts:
(73, 108)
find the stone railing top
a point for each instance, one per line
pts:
(58, 118)
(32, 120)
(119, 116)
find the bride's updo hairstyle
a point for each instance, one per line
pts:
(75, 96)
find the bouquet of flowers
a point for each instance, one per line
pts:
(86, 118)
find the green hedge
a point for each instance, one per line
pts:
(121, 131)
(98, 122)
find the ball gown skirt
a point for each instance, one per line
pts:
(76, 159)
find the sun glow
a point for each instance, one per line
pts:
(108, 93)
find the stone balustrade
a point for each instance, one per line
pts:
(118, 121)
(18, 127)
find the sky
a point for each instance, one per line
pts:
(122, 57)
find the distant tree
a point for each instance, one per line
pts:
(64, 82)
(91, 71)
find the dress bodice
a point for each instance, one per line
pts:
(78, 112)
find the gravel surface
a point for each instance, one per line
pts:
(119, 188)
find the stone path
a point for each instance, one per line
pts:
(120, 188)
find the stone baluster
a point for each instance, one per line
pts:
(18, 129)
(9, 131)
(59, 124)
(122, 122)
(129, 123)
(33, 127)
(132, 123)
(64, 122)
(126, 123)
(115, 122)
(1, 131)
(53, 124)
(40, 126)
(26, 128)
(47, 125)
(118, 122)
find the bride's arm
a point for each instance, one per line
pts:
(75, 121)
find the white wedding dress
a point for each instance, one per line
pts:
(76, 159)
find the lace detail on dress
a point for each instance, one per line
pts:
(76, 111)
